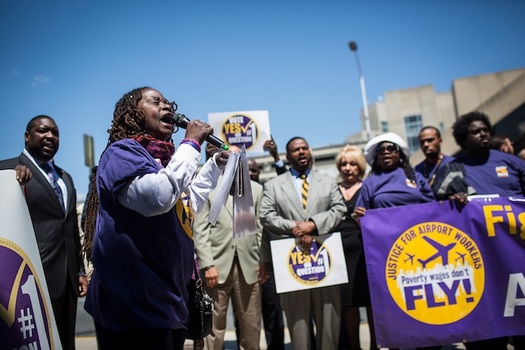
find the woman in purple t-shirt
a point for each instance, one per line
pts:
(143, 252)
(392, 181)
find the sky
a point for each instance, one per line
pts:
(74, 59)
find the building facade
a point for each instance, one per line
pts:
(404, 112)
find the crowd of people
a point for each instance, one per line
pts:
(146, 217)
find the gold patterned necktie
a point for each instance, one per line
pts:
(304, 191)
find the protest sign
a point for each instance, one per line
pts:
(27, 320)
(441, 274)
(244, 128)
(324, 265)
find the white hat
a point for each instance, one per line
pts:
(370, 147)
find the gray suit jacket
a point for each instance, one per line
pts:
(56, 231)
(281, 207)
(215, 245)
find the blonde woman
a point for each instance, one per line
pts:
(351, 164)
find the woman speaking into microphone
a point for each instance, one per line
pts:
(143, 252)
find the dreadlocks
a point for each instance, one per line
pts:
(128, 121)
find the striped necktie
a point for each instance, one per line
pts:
(304, 191)
(53, 181)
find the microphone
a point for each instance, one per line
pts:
(182, 121)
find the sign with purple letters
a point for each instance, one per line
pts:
(243, 128)
(26, 316)
(440, 274)
(294, 269)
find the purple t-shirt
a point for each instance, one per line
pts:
(143, 265)
(501, 173)
(430, 170)
(393, 189)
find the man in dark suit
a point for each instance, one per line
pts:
(286, 213)
(51, 200)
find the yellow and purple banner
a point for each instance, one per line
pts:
(26, 316)
(440, 274)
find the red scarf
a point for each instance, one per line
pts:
(161, 150)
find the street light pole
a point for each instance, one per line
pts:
(353, 47)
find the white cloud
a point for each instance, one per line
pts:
(39, 79)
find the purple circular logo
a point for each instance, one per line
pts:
(239, 130)
(310, 267)
(25, 318)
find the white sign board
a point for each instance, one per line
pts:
(248, 128)
(294, 270)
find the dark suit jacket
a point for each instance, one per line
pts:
(56, 231)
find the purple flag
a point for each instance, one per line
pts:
(440, 274)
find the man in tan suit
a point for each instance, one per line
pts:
(283, 216)
(230, 269)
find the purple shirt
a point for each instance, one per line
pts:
(429, 170)
(143, 265)
(501, 173)
(393, 189)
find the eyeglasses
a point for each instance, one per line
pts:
(389, 148)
